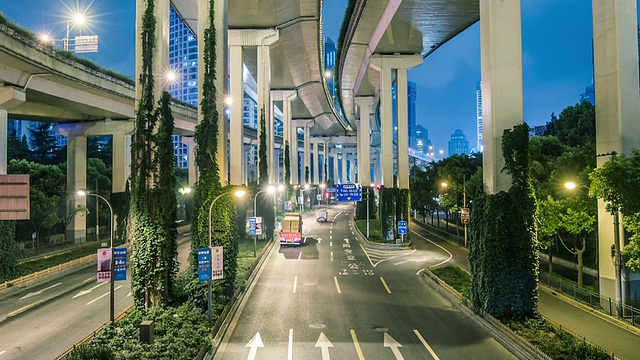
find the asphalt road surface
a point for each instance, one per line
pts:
(334, 297)
(44, 320)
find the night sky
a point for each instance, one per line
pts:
(556, 45)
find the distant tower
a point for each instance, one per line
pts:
(411, 114)
(329, 65)
(458, 143)
(479, 115)
(422, 144)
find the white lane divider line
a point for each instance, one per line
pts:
(331, 243)
(424, 342)
(101, 296)
(385, 284)
(335, 279)
(299, 257)
(290, 348)
(331, 253)
(39, 291)
(295, 283)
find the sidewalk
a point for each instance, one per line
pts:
(600, 329)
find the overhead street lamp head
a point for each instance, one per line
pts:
(240, 193)
(228, 100)
(444, 184)
(271, 189)
(83, 192)
(78, 18)
(280, 188)
(307, 186)
(570, 185)
(184, 190)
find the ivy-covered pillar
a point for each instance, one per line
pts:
(293, 148)
(221, 66)
(287, 96)
(315, 172)
(501, 66)
(236, 122)
(161, 50)
(265, 40)
(615, 37)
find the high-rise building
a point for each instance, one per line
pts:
(589, 94)
(422, 143)
(480, 145)
(183, 59)
(458, 143)
(411, 109)
(329, 65)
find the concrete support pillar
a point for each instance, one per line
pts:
(120, 161)
(316, 163)
(295, 166)
(343, 176)
(615, 37)
(265, 106)
(501, 58)
(191, 158)
(325, 162)
(236, 123)
(76, 180)
(10, 97)
(307, 155)
(286, 96)
(352, 169)
(386, 64)
(364, 139)
(335, 168)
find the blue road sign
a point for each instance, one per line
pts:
(348, 192)
(252, 225)
(204, 264)
(331, 190)
(402, 227)
(119, 264)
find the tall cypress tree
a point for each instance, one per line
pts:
(166, 212)
(287, 164)
(263, 175)
(224, 217)
(153, 259)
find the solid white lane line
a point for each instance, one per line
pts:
(447, 251)
(385, 284)
(295, 284)
(424, 342)
(290, 348)
(419, 272)
(101, 296)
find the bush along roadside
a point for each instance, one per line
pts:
(181, 331)
(555, 342)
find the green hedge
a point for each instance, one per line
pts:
(375, 234)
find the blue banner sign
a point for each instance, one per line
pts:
(348, 192)
(402, 227)
(252, 225)
(204, 264)
(119, 264)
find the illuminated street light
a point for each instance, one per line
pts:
(77, 19)
(172, 76)
(228, 100)
(570, 185)
(83, 192)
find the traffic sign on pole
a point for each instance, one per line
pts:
(348, 192)
(402, 227)
(464, 215)
(252, 225)
(204, 264)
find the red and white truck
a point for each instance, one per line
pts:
(291, 232)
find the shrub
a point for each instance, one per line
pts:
(89, 352)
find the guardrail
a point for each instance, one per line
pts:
(605, 305)
(45, 272)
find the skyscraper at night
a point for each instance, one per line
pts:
(458, 143)
(480, 144)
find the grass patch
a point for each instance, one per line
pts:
(456, 278)
(375, 233)
(557, 343)
(246, 259)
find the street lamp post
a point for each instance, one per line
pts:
(83, 192)
(78, 19)
(237, 193)
(270, 189)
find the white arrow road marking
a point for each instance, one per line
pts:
(39, 291)
(101, 296)
(319, 240)
(254, 344)
(424, 342)
(325, 344)
(394, 345)
(2, 352)
(411, 260)
(85, 292)
(290, 347)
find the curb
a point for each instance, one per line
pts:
(379, 245)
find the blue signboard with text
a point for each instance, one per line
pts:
(402, 227)
(204, 264)
(119, 264)
(348, 192)
(252, 225)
